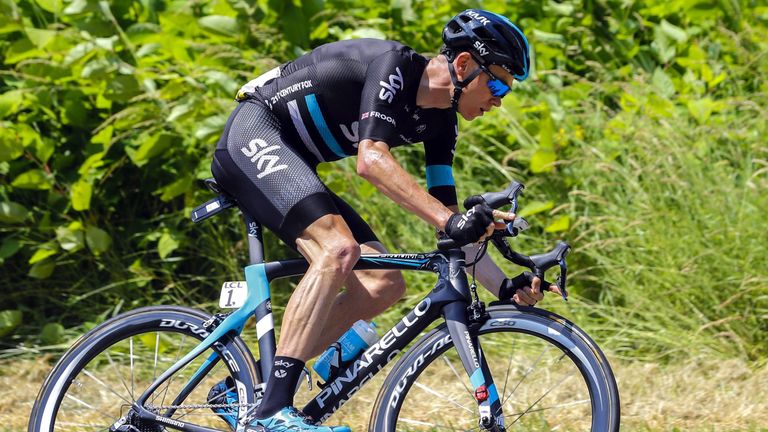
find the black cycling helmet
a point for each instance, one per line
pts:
(490, 38)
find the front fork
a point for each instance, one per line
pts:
(471, 355)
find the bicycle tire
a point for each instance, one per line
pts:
(399, 408)
(146, 329)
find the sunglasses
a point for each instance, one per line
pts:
(497, 86)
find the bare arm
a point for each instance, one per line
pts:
(376, 164)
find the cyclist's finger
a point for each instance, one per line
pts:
(555, 289)
(536, 284)
(536, 294)
(505, 216)
(525, 297)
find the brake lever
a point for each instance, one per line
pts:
(562, 279)
(516, 226)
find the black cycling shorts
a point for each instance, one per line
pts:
(255, 163)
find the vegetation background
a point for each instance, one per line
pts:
(641, 137)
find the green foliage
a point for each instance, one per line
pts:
(640, 136)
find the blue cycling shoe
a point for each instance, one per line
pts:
(224, 393)
(289, 419)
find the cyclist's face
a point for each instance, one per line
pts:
(478, 97)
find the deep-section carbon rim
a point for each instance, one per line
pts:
(96, 381)
(548, 373)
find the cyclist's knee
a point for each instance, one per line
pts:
(386, 290)
(339, 257)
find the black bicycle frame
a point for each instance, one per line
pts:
(449, 298)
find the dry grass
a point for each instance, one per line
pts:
(696, 396)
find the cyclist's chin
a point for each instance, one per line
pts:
(472, 115)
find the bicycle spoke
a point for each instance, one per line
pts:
(111, 362)
(527, 372)
(544, 395)
(459, 377)
(157, 349)
(82, 425)
(435, 393)
(170, 378)
(509, 367)
(435, 425)
(98, 381)
(100, 412)
(564, 405)
(130, 356)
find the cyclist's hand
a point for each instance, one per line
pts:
(500, 217)
(471, 226)
(527, 295)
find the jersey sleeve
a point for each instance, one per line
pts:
(390, 78)
(438, 157)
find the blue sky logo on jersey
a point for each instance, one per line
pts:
(389, 90)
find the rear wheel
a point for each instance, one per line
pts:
(548, 373)
(96, 382)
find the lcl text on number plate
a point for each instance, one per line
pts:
(233, 294)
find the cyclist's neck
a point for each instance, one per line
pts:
(435, 86)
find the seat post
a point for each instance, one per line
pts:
(255, 240)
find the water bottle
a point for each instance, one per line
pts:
(353, 342)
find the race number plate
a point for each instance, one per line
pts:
(233, 294)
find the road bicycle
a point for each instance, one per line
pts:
(500, 367)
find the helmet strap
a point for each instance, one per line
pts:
(458, 86)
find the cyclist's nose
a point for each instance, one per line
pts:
(496, 101)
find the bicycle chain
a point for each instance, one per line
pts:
(198, 406)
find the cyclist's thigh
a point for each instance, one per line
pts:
(255, 164)
(360, 229)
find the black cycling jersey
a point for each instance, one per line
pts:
(318, 108)
(344, 92)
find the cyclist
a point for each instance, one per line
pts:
(360, 98)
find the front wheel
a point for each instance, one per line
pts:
(548, 373)
(98, 380)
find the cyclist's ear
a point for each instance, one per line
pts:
(472, 201)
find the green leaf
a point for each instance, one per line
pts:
(562, 223)
(94, 161)
(40, 37)
(8, 248)
(542, 161)
(365, 32)
(153, 146)
(219, 25)
(10, 145)
(52, 334)
(76, 7)
(80, 195)
(33, 179)
(166, 245)
(20, 50)
(674, 32)
(71, 237)
(11, 212)
(97, 239)
(701, 109)
(10, 102)
(9, 320)
(42, 269)
(44, 252)
(533, 207)
(174, 189)
(53, 6)
(104, 137)
(209, 126)
(179, 111)
(663, 83)
(122, 88)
